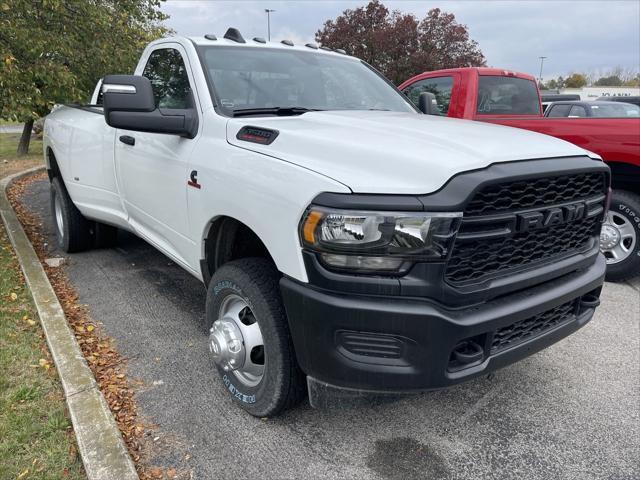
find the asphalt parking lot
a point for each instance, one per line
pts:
(569, 412)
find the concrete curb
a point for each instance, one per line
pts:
(102, 448)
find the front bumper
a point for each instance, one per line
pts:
(393, 344)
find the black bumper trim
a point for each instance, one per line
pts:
(433, 331)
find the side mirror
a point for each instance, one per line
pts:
(427, 104)
(129, 104)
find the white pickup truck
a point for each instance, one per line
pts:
(349, 242)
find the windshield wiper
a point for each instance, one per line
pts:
(282, 111)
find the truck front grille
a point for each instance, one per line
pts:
(492, 241)
(526, 329)
(535, 193)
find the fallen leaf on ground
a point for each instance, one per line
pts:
(14, 297)
(155, 473)
(100, 354)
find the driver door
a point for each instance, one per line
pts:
(153, 167)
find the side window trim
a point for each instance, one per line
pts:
(167, 71)
(452, 88)
(577, 108)
(144, 60)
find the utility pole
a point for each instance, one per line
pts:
(541, 63)
(269, 12)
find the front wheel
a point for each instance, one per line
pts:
(620, 236)
(249, 338)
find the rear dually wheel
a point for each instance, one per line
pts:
(73, 230)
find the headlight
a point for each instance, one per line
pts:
(377, 241)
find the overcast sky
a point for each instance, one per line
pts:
(582, 36)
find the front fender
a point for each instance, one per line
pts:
(266, 194)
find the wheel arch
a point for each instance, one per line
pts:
(225, 239)
(625, 176)
(53, 170)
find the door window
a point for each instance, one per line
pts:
(168, 75)
(498, 95)
(439, 86)
(578, 111)
(559, 111)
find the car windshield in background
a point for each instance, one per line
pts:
(615, 110)
(499, 95)
(292, 82)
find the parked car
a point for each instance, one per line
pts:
(547, 98)
(510, 98)
(348, 243)
(592, 109)
(634, 99)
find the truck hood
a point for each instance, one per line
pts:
(392, 152)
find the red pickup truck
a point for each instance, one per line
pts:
(513, 99)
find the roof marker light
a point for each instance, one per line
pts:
(259, 40)
(325, 48)
(210, 36)
(234, 35)
(312, 45)
(340, 51)
(287, 42)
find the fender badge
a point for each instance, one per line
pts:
(263, 136)
(193, 180)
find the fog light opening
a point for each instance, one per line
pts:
(466, 353)
(590, 300)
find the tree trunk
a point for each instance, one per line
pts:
(25, 138)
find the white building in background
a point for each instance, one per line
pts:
(592, 93)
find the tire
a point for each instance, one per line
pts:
(104, 236)
(620, 236)
(73, 232)
(254, 281)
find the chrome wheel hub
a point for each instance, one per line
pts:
(236, 343)
(226, 344)
(609, 237)
(617, 238)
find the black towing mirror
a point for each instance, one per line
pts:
(129, 104)
(427, 104)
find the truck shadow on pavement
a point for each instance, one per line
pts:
(567, 412)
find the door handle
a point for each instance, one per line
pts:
(127, 139)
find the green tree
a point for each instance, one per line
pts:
(575, 80)
(54, 51)
(633, 82)
(610, 81)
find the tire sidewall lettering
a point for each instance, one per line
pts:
(630, 214)
(235, 392)
(633, 218)
(229, 285)
(226, 284)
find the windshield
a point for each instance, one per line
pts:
(263, 78)
(507, 96)
(615, 110)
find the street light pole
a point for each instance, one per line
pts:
(541, 63)
(269, 11)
